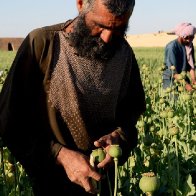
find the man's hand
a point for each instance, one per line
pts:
(188, 87)
(194, 85)
(78, 169)
(194, 82)
(105, 142)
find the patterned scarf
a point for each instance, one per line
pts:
(189, 56)
(86, 91)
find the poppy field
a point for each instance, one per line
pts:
(164, 161)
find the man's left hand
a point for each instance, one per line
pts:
(105, 142)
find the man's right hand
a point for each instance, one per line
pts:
(78, 169)
(188, 87)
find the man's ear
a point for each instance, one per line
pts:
(80, 4)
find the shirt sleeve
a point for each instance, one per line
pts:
(170, 58)
(24, 124)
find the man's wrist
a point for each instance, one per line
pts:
(63, 155)
(121, 134)
(55, 148)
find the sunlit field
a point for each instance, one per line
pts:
(164, 161)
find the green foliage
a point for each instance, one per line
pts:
(13, 179)
(167, 133)
(6, 59)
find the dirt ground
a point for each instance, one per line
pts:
(151, 40)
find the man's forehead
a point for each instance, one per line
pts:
(110, 20)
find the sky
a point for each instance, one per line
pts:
(19, 17)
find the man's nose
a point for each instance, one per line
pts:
(106, 35)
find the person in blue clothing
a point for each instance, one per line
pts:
(179, 57)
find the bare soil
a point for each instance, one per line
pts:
(151, 40)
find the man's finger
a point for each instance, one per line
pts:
(108, 159)
(97, 144)
(95, 175)
(103, 142)
(88, 186)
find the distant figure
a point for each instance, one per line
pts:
(10, 46)
(179, 56)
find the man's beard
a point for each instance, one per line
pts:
(92, 46)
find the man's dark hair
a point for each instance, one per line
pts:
(117, 7)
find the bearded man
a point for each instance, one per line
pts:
(73, 87)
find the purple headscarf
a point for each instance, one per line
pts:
(185, 29)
